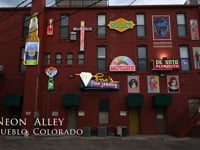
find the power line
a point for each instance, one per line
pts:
(12, 13)
(132, 2)
(76, 11)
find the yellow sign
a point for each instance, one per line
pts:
(121, 25)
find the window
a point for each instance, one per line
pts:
(58, 59)
(193, 104)
(64, 25)
(184, 56)
(69, 60)
(103, 112)
(140, 25)
(101, 58)
(81, 58)
(142, 58)
(47, 58)
(26, 22)
(22, 67)
(181, 24)
(101, 29)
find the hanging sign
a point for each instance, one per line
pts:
(121, 25)
(122, 63)
(51, 72)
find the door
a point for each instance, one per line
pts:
(161, 120)
(134, 122)
(71, 118)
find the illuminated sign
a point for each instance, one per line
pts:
(31, 52)
(98, 81)
(93, 84)
(122, 63)
(51, 72)
(165, 64)
(86, 77)
(121, 25)
(50, 27)
(82, 30)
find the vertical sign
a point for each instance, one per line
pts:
(82, 35)
(51, 72)
(133, 84)
(153, 84)
(194, 29)
(82, 30)
(173, 84)
(31, 53)
(196, 55)
(50, 27)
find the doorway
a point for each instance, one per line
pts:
(71, 118)
(134, 121)
(161, 120)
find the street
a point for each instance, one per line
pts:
(138, 142)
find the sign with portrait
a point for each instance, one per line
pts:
(173, 84)
(153, 84)
(161, 27)
(194, 29)
(196, 55)
(133, 84)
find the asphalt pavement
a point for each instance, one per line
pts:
(137, 142)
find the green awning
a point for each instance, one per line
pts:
(103, 105)
(135, 100)
(162, 100)
(12, 100)
(71, 99)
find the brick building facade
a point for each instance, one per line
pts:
(97, 53)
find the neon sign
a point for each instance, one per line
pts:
(122, 63)
(50, 27)
(51, 72)
(97, 81)
(82, 30)
(165, 64)
(121, 25)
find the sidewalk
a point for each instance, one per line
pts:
(134, 137)
(137, 142)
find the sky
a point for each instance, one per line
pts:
(14, 3)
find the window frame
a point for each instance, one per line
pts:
(47, 58)
(187, 59)
(26, 22)
(181, 26)
(22, 67)
(81, 60)
(58, 61)
(104, 111)
(140, 26)
(101, 59)
(143, 59)
(101, 27)
(69, 60)
(64, 26)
